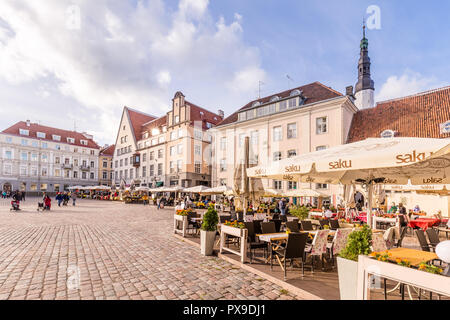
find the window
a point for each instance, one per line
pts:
(144, 157)
(24, 142)
(292, 185)
(121, 162)
(67, 174)
(254, 138)
(174, 135)
(242, 116)
(241, 139)
(321, 125)
(44, 145)
(126, 173)
(92, 164)
(277, 156)
(172, 166)
(23, 132)
(105, 164)
(172, 150)
(161, 139)
(105, 175)
(197, 167)
(43, 186)
(321, 186)
(57, 173)
(179, 165)
(160, 169)
(34, 157)
(84, 142)
(57, 147)
(198, 134)
(70, 140)
(223, 182)
(277, 184)
(23, 156)
(8, 139)
(223, 143)
(292, 103)
(92, 152)
(23, 171)
(144, 171)
(283, 105)
(8, 154)
(160, 153)
(126, 161)
(34, 144)
(57, 160)
(292, 130)
(291, 153)
(223, 165)
(277, 133)
(388, 134)
(154, 142)
(56, 137)
(44, 157)
(180, 148)
(321, 148)
(152, 170)
(198, 149)
(177, 119)
(7, 169)
(152, 155)
(44, 172)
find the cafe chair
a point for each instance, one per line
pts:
(252, 243)
(294, 249)
(433, 237)
(268, 227)
(339, 242)
(293, 226)
(423, 240)
(324, 222)
(334, 224)
(257, 224)
(378, 242)
(318, 247)
(277, 224)
(307, 225)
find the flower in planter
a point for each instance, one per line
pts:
(430, 268)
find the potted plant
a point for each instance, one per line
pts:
(208, 231)
(359, 242)
(300, 212)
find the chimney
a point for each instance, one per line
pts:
(28, 123)
(221, 113)
(349, 92)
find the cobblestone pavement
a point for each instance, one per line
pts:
(110, 250)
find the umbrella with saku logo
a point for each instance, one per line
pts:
(368, 162)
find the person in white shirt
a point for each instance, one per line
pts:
(328, 213)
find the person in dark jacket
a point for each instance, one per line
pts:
(59, 198)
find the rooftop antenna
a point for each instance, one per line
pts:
(259, 89)
(289, 79)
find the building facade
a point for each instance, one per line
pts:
(105, 166)
(36, 158)
(286, 124)
(172, 150)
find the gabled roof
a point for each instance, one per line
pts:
(137, 119)
(314, 92)
(419, 115)
(156, 123)
(201, 114)
(108, 151)
(33, 128)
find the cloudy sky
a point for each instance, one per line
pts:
(76, 63)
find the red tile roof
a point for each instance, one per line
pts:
(49, 132)
(156, 123)
(419, 115)
(137, 119)
(107, 151)
(201, 114)
(313, 92)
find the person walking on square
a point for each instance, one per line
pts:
(59, 198)
(282, 207)
(158, 203)
(74, 198)
(23, 196)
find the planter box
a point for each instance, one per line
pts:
(177, 220)
(368, 267)
(207, 242)
(237, 232)
(348, 278)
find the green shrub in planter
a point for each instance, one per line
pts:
(359, 242)
(300, 212)
(210, 220)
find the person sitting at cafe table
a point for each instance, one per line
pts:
(328, 213)
(416, 209)
(393, 208)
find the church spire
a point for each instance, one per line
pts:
(365, 85)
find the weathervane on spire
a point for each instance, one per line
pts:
(364, 41)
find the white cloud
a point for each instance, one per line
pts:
(407, 84)
(119, 54)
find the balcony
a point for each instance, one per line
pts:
(67, 166)
(85, 167)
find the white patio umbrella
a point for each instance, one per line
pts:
(375, 160)
(216, 190)
(304, 193)
(271, 193)
(196, 189)
(146, 189)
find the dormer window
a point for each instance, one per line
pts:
(445, 127)
(145, 135)
(155, 131)
(388, 134)
(24, 132)
(274, 98)
(40, 135)
(84, 142)
(70, 140)
(295, 92)
(256, 103)
(56, 138)
(164, 129)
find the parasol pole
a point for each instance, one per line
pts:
(246, 162)
(369, 209)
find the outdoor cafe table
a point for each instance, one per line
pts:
(415, 257)
(423, 223)
(269, 237)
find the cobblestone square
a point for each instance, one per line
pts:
(110, 250)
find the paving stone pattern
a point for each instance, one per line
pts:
(111, 250)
